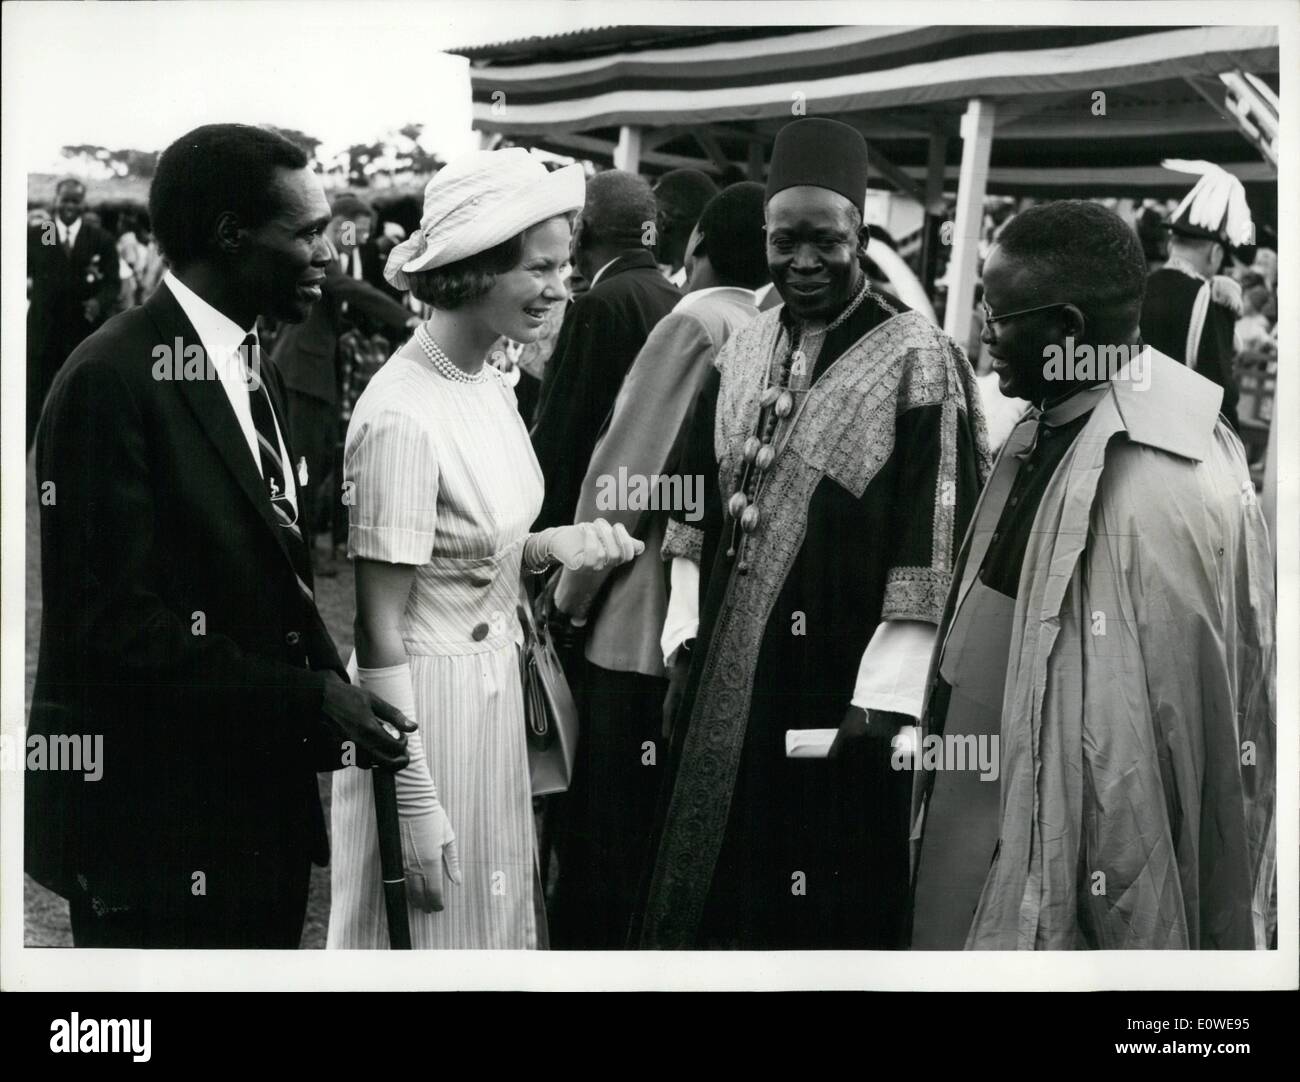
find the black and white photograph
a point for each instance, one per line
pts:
(649, 496)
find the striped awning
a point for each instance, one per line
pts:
(706, 96)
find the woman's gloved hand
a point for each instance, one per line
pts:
(428, 852)
(593, 545)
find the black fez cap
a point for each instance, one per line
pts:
(823, 153)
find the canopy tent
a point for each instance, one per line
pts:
(1017, 110)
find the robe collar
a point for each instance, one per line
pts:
(1174, 410)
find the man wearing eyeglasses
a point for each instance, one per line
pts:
(1109, 631)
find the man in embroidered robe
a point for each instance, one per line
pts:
(1110, 628)
(818, 619)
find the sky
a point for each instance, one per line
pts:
(137, 75)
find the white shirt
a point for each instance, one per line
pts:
(221, 338)
(350, 261)
(67, 233)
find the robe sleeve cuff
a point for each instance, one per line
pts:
(915, 593)
(682, 539)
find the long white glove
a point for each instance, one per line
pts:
(428, 842)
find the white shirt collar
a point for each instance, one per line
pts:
(68, 233)
(747, 295)
(596, 277)
(221, 336)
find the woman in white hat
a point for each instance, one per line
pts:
(442, 486)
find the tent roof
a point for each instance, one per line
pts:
(734, 87)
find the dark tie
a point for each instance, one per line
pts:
(268, 445)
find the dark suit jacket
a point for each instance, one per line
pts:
(603, 331)
(60, 285)
(56, 321)
(372, 270)
(1166, 317)
(172, 628)
(646, 435)
(305, 352)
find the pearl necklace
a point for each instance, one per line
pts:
(443, 364)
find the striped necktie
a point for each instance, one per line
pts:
(268, 445)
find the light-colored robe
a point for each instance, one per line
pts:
(1138, 721)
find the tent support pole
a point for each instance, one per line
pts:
(972, 185)
(627, 154)
(931, 241)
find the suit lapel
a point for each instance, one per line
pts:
(207, 400)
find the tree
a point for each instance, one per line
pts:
(411, 155)
(359, 156)
(103, 162)
(308, 143)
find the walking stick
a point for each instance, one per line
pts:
(390, 860)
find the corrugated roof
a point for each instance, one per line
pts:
(593, 41)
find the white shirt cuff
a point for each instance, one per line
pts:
(894, 666)
(682, 620)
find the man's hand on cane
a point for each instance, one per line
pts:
(360, 716)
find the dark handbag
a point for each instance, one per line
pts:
(550, 714)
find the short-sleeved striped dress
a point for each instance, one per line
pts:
(441, 474)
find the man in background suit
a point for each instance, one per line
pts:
(1189, 310)
(73, 268)
(681, 196)
(180, 640)
(306, 355)
(603, 330)
(609, 809)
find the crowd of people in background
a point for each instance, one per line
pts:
(1244, 362)
(720, 333)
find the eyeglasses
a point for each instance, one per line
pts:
(993, 320)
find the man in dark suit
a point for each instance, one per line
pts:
(1190, 310)
(603, 331)
(179, 634)
(306, 355)
(73, 268)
